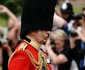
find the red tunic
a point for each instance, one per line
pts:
(21, 60)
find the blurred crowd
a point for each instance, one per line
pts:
(8, 43)
(65, 48)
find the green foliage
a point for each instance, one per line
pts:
(3, 22)
(14, 5)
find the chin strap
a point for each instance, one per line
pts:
(40, 34)
(40, 63)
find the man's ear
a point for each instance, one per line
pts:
(34, 33)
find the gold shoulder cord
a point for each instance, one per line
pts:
(11, 57)
(41, 57)
(41, 63)
(38, 65)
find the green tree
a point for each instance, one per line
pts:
(14, 5)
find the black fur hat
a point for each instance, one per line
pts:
(37, 15)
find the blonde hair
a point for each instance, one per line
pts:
(59, 34)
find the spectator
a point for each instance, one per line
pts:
(13, 36)
(61, 53)
(77, 41)
(1, 57)
(56, 22)
(1, 38)
(83, 11)
(13, 22)
(1, 33)
(67, 14)
(4, 9)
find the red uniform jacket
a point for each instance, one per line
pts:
(21, 60)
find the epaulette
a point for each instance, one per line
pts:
(22, 46)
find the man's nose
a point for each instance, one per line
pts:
(48, 32)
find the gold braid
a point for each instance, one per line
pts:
(41, 57)
(41, 62)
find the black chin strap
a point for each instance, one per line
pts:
(41, 34)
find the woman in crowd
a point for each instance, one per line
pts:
(60, 54)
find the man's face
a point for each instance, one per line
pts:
(59, 44)
(65, 16)
(44, 35)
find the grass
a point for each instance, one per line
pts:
(3, 22)
(77, 9)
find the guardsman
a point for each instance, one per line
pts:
(37, 19)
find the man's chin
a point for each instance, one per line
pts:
(45, 41)
(46, 37)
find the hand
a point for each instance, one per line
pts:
(6, 47)
(3, 9)
(48, 43)
(79, 34)
(76, 31)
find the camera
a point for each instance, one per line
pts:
(3, 41)
(73, 34)
(78, 16)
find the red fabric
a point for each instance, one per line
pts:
(17, 64)
(50, 68)
(21, 60)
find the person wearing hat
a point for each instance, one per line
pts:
(67, 11)
(68, 15)
(37, 19)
